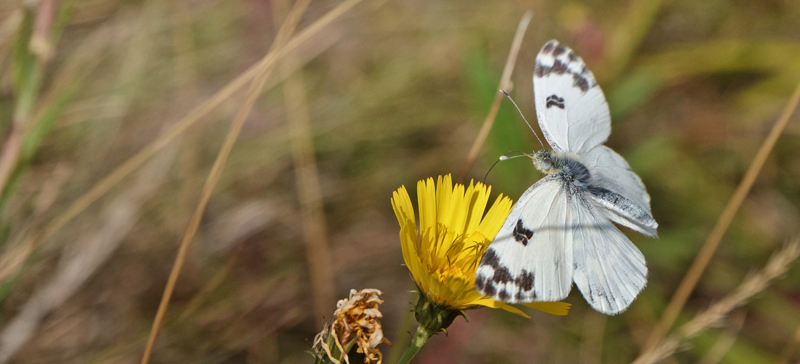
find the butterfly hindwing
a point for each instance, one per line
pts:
(571, 108)
(609, 270)
(627, 203)
(530, 259)
(613, 171)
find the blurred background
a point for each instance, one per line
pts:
(390, 93)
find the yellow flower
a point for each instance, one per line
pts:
(453, 235)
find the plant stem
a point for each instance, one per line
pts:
(419, 339)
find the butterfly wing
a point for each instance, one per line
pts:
(619, 190)
(609, 270)
(530, 259)
(571, 108)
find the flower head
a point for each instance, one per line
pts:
(453, 234)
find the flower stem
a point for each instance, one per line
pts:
(419, 339)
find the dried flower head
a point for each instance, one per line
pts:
(356, 322)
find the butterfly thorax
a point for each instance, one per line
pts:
(567, 166)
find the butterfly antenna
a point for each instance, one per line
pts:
(523, 116)
(505, 157)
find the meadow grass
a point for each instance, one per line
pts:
(134, 158)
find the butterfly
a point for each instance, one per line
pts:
(561, 230)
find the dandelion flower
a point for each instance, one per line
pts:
(453, 234)
(443, 253)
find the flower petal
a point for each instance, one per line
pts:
(553, 308)
(426, 195)
(488, 302)
(496, 216)
(476, 197)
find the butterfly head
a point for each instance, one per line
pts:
(543, 160)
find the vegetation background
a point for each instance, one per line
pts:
(390, 93)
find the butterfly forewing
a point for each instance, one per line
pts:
(572, 111)
(531, 257)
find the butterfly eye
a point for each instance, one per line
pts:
(547, 163)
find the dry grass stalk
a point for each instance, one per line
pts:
(318, 252)
(505, 80)
(715, 314)
(705, 254)
(78, 67)
(81, 260)
(264, 70)
(13, 258)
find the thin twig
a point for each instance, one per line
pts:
(14, 258)
(498, 96)
(264, 70)
(318, 252)
(715, 237)
(715, 314)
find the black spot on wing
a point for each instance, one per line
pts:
(554, 100)
(559, 50)
(559, 67)
(525, 281)
(503, 295)
(571, 56)
(504, 286)
(480, 283)
(538, 70)
(580, 82)
(521, 233)
(502, 275)
(491, 259)
(549, 47)
(583, 79)
(489, 289)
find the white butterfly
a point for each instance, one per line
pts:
(561, 228)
